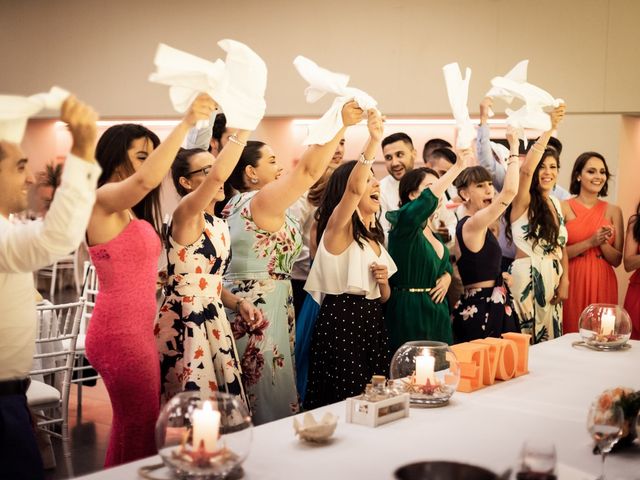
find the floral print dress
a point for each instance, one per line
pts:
(260, 271)
(535, 279)
(193, 336)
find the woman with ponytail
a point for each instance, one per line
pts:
(266, 240)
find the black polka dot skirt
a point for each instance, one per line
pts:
(349, 345)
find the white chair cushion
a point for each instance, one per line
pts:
(40, 394)
(79, 343)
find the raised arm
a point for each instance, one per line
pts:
(192, 204)
(337, 229)
(481, 220)
(631, 254)
(463, 159)
(271, 202)
(28, 247)
(483, 147)
(528, 167)
(118, 196)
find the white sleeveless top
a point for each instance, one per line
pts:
(348, 272)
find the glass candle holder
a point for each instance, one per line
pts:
(204, 436)
(605, 326)
(427, 370)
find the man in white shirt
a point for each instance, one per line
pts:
(23, 249)
(399, 157)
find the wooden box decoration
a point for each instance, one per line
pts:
(373, 414)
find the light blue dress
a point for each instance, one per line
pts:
(259, 271)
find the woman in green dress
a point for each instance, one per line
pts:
(417, 309)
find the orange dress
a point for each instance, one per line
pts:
(632, 303)
(591, 278)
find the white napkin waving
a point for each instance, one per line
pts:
(514, 85)
(237, 84)
(322, 81)
(458, 92)
(16, 110)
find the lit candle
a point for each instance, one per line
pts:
(424, 369)
(607, 323)
(206, 423)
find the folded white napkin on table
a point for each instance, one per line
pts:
(514, 85)
(16, 110)
(322, 81)
(237, 84)
(458, 92)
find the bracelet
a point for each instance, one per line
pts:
(366, 162)
(514, 155)
(238, 304)
(234, 139)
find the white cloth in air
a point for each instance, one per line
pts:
(322, 81)
(458, 92)
(514, 85)
(15, 110)
(237, 84)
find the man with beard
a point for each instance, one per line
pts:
(399, 156)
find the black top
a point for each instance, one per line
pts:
(478, 266)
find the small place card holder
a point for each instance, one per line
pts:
(373, 414)
(485, 360)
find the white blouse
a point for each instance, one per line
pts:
(348, 272)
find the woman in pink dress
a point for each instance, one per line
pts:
(632, 264)
(124, 244)
(594, 241)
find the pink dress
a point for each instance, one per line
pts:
(120, 342)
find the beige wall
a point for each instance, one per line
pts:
(579, 50)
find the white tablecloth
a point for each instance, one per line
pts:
(486, 427)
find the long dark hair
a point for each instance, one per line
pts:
(111, 154)
(336, 187)
(250, 156)
(542, 223)
(636, 224)
(235, 183)
(578, 166)
(410, 182)
(317, 189)
(181, 167)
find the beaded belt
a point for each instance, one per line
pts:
(413, 289)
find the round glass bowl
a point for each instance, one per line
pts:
(203, 436)
(428, 371)
(605, 326)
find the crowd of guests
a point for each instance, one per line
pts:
(465, 247)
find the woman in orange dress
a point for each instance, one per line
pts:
(631, 263)
(594, 245)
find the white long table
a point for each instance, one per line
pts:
(486, 427)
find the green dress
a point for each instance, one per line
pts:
(413, 315)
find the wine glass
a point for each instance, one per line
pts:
(605, 427)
